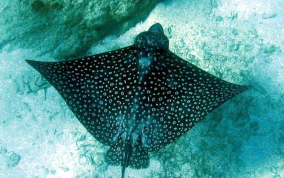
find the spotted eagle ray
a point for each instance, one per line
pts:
(139, 98)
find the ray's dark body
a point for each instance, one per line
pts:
(139, 98)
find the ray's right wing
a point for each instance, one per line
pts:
(183, 95)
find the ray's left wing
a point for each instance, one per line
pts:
(95, 88)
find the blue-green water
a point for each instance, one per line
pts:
(238, 41)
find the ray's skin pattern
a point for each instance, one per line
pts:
(139, 98)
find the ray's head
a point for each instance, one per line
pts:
(153, 38)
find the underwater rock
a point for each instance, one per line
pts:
(67, 29)
(36, 84)
(270, 49)
(10, 159)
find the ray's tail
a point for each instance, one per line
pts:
(127, 155)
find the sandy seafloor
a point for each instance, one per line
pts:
(237, 40)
